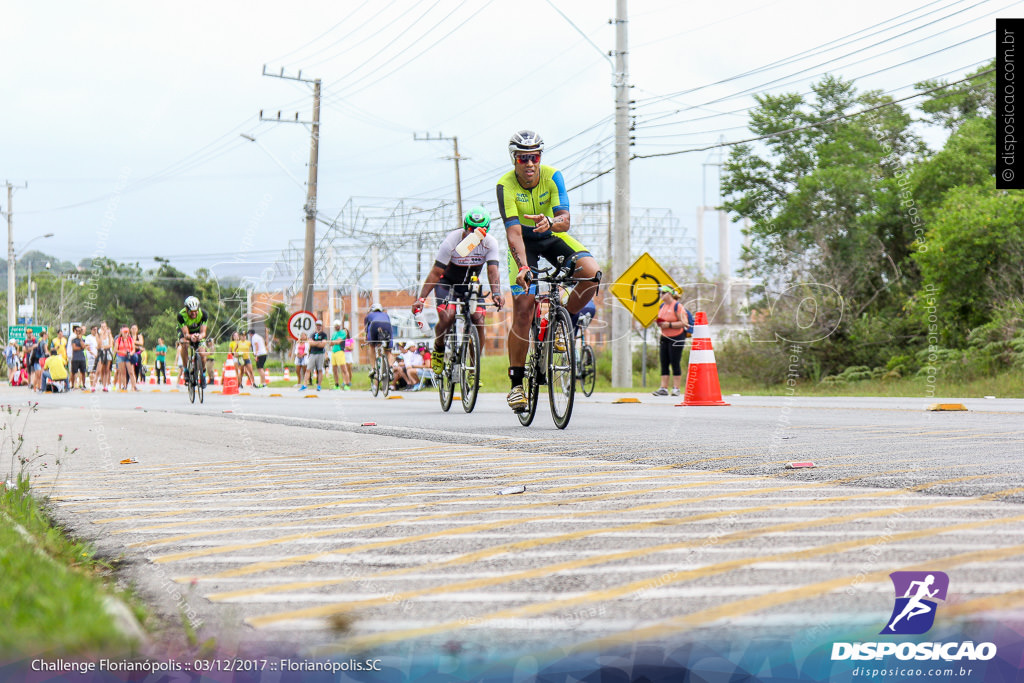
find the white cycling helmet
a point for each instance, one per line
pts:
(524, 141)
(192, 303)
(376, 307)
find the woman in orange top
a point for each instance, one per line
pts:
(675, 323)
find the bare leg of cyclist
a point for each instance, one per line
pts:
(518, 346)
(583, 292)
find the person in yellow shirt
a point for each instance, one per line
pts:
(54, 371)
(243, 356)
(60, 345)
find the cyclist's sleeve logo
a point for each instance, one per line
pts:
(916, 596)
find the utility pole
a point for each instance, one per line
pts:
(622, 357)
(12, 313)
(457, 158)
(310, 207)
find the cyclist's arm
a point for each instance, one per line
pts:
(514, 235)
(494, 279)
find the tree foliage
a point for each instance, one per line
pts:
(843, 195)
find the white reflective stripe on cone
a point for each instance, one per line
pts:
(701, 332)
(706, 356)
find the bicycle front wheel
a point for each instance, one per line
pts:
(446, 382)
(470, 375)
(531, 381)
(561, 368)
(200, 380)
(588, 370)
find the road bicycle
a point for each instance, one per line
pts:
(380, 371)
(551, 358)
(462, 352)
(195, 379)
(586, 361)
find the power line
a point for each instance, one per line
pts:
(816, 124)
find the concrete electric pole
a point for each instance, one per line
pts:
(457, 158)
(310, 207)
(622, 357)
(12, 313)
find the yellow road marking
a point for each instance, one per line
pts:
(783, 597)
(640, 585)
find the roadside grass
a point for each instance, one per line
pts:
(494, 378)
(53, 586)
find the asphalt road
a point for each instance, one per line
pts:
(283, 521)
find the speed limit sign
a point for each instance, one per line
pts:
(301, 321)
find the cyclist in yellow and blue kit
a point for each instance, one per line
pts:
(534, 206)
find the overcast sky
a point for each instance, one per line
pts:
(125, 118)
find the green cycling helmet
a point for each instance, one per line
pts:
(477, 218)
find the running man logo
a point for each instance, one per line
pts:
(916, 593)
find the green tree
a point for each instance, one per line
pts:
(972, 259)
(277, 327)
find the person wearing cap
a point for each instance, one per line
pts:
(675, 323)
(317, 351)
(338, 364)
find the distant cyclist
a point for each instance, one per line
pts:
(377, 329)
(534, 206)
(192, 330)
(450, 277)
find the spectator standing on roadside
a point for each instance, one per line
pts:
(105, 343)
(138, 355)
(60, 345)
(91, 350)
(300, 352)
(675, 322)
(124, 345)
(211, 363)
(160, 362)
(78, 358)
(259, 349)
(317, 352)
(338, 364)
(244, 360)
(40, 352)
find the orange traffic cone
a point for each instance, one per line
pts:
(287, 377)
(702, 387)
(230, 377)
(152, 378)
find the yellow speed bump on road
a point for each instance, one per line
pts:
(947, 406)
(626, 399)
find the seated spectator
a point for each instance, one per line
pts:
(55, 373)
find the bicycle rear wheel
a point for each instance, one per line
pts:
(446, 383)
(375, 375)
(531, 381)
(588, 370)
(561, 368)
(469, 377)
